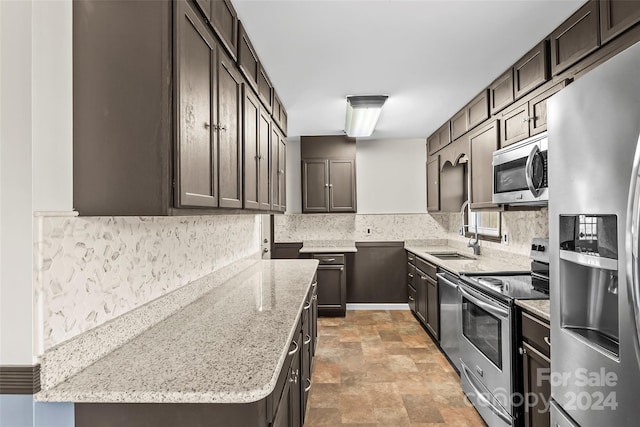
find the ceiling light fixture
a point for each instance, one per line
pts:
(362, 114)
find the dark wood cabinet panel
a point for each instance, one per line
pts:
(251, 119)
(224, 21)
(459, 124)
(315, 186)
(482, 142)
(440, 138)
(327, 147)
(279, 113)
(342, 186)
(536, 368)
(264, 145)
(196, 177)
(282, 173)
(532, 70)
(421, 299)
(478, 109)
(332, 290)
(616, 16)
(577, 37)
(205, 8)
(229, 130)
(248, 58)
(265, 90)
(379, 273)
(433, 308)
(433, 183)
(286, 250)
(453, 175)
(538, 108)
(501, 92)
(278, 170)
(514, 124)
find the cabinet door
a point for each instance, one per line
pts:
(248, 59)
(433, 184)
(342, 186)
(411, 298)
(501, 92)
(536, 373)
(251, 120)
(295, 394)
(264, 138)
(514, 124)
(575, 38)
(282, 173)
(306, 358)
(482, 143)
(315, 186)
(421, 300)
(616, 16)
(283, 413)
(531, 70)
(275, 167)
(332, 290)
(459, 125)
(196, 174)
(538, 109)
(265, 89)
(229, 134)
(224, 21)
(478, 109)
(433, 308)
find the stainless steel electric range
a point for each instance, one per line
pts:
(487, 356)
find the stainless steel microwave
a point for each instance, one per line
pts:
(520, 173)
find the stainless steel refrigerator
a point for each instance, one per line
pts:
(594, 128)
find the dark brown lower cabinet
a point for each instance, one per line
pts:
(421, 296)
(332, 285)
(378, 273)
(433, 307)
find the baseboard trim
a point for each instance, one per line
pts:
(376, 306)
(19, 379)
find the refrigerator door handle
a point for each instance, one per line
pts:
(632, 241)
(529, 170)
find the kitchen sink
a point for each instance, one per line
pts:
(453, 256)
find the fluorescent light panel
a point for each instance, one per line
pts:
(362, 114)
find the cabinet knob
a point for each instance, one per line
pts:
(525, 119)
(222, 128)
(206, 125)
(265, 250)
(308, 387)
(522, 351)
(326, 185)
(330, 185)
(548, 341)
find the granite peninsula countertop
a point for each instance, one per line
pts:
(226, 347)
(480, 264)
(328, 246)
(539, 307)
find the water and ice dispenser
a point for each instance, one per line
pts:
(589, 279)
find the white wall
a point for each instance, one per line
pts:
(391, 176)
(35, 151)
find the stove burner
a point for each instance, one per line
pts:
(491, 282)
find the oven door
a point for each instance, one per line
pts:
(520, 173)
(486, 343)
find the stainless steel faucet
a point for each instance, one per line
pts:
(475, 244)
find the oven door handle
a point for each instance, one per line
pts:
(483, 399)
(529, 171)
(484, 305)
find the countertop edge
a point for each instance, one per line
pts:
(527, 306)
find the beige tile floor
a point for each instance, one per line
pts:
(380, 368)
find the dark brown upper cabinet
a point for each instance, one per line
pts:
(229, 129)
(459, 124)
(205, 8)
(616, 16)
(196, 157)
(256, 143)
(440, 138)
(482, 142)
(532, 70)
(538, 108)
(278, 170)
(224, 21)
(328, 174)
(433, 183)
(576, 38)
(265, 90)
(478, 109)
(328, 185)
(248, 58)
(501, 92)
(279, 114)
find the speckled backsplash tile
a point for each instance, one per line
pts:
(90, 270)
(391, 227)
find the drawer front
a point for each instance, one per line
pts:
(427, 268)
(329, 259)
(411, 258)
(536, 332)
(411, 296)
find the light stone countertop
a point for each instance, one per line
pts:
(481, 264)
(226, 347)
(328, 246)
(539, 307)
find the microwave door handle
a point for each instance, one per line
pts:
(528, 170)
(632, 247)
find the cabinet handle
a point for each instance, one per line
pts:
(411, 275)
(222, 128)
(410, 258)
(326, 185)
(548, 341)
(522, 351)
(314, 284)
(295, 350)
(525, 119)
(411, 298)
(330, 185)
(307, 305)
(308, 340)
(423, 277)
(328, 259)
(206, 125)
(280, 171)
(308, 387)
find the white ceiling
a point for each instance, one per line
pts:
(430, 56)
